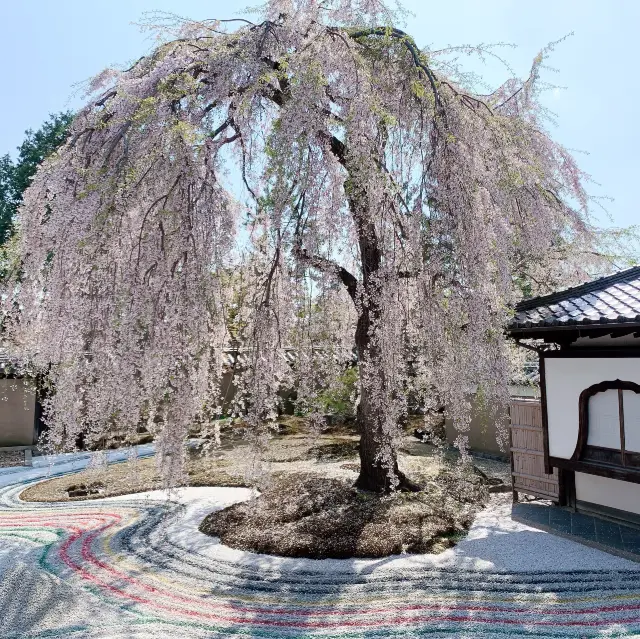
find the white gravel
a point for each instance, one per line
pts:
(169, 557)
(495, 541)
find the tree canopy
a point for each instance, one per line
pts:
(362, 189)
(16, 176)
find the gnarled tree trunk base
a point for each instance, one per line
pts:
(377, 479)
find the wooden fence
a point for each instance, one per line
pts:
(527, 452)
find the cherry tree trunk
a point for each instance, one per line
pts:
(374, 475)
(379, 470)
(377, 473)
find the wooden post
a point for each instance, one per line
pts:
(514, 492)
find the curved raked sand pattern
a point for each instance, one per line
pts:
(138, 567)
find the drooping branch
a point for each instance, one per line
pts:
(411, 47)
(417, 57)
(435, 200)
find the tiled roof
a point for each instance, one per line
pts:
(609, 300)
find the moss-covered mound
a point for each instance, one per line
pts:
(306, 515)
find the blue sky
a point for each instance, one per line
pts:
(48, 47)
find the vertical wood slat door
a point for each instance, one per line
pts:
(527, 452)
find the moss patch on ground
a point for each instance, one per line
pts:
(309, 515)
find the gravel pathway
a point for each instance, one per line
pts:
(136, 566)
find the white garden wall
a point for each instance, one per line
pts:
(17, 406)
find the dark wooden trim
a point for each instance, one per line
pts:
(602, 455)
(632, 459)
(573, 331)
(573, 498)
(613, 384)
(562, 488)
(621, 420)
(583, 423)
(602, 470)
(615, 333)
(567, 488)
(543, 405)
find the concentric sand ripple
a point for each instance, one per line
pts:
(138, 567)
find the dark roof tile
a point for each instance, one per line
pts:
(613, 299)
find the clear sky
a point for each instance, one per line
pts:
(49, 46)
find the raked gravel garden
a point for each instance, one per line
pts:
(137, 566)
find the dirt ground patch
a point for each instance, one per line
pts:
(127, 478)
(308, 515)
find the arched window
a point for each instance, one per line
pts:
(609, 431)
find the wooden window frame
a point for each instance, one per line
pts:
(603, 470)
(583, 423)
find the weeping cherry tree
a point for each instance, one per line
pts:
(367, 195)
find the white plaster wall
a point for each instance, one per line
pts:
(566, 378)
(604, 420)
(613, 493)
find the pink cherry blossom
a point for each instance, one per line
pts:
(280, 186)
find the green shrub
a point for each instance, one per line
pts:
(340, 400)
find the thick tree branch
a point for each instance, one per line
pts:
(411, 47)
(328, 266)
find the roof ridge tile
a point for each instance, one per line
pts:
(578, 291)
